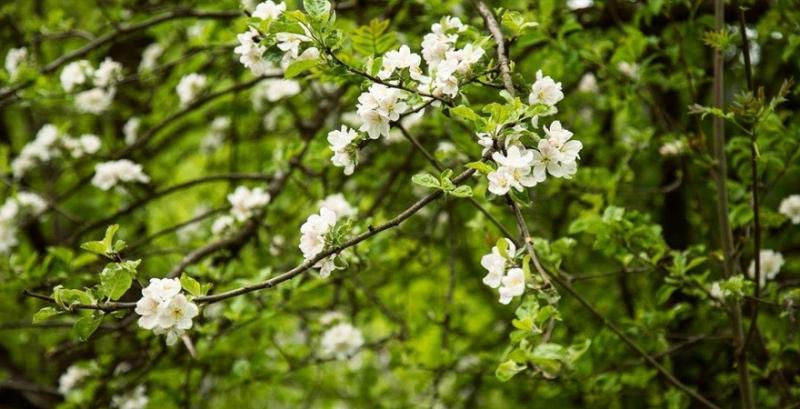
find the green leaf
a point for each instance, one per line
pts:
(116, 279)
(66, 297)
(298, 67)
(317, 8)
(96, 247)
(462, 191)
(86, 326)
(466, 113)
(373, 39)
(104, 247)
(426, 180)
(507, 370)
(480, 167)
(502, 247)
(44, 314)
(191, 285)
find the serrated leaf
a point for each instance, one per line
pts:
(462, 191)
(44, 314)
(96, 247)
(298, 67)
(482, 167)
(426, 180)
(191, 285)
(317, 8)
(115, 280)
(507, 370)
(86, 326)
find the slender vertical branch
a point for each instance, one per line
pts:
(726, 234)
(497, 34)
(748, 71)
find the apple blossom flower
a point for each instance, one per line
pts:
(341, 341)
(136, 399)
(76, 73)
(339, 205)
(131, 130)
(189, 87)
(513, 285)
(109, 174)
(790, 207)
(545, 91)
(70, 379)
(770, 262)
(108, 73)
(268, 10)
(15, 58)
(245, 202)
(150, 56)
(95, 100)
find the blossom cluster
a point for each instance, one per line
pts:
(71, 378)
(770, 265)
(190, 87)
(388, 101)
(245, 203)
(314, 232)
(790, 207)
(250, 50)
(342, 340)
(13, 211)
(555, 154)
(51, 143)
(164, 309)
(108, 174)
(503, 273)
(15, 58)
(98, 85)
(135, 399)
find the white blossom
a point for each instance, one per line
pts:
(513, 285)
(245, 202)
(76, 73)
(339, 205)
(109, 174)
(251, 52)
(14, 59)
(216, 133)
(31, 203)
(150, 56)
(579, 4)
(314, 231)
(94, 101)
(344, 155)
(131, 130)
(274, 90)
(588, 83)
(545, 91)
(672, 148)
(770, 262)
(189, 87)
(71, 378)
(222, 225)
(341, 341)
(268, 10)
(377, 107)
(790, 207)
(631, 70)
(495, 263)
(137, 399)
(401, 59)
(164, 309)
(330, 317)
(42, 149)
(108, 73)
